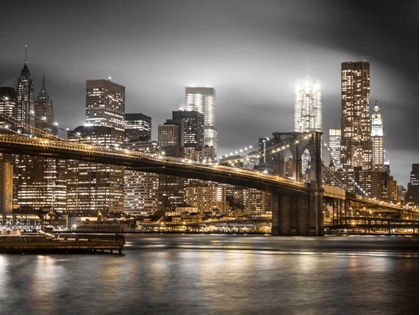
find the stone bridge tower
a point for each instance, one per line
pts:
(298, 156)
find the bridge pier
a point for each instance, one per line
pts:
(298, 214)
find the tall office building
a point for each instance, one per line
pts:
(412, 195)
(41, 181)
(141, 189)
(7, 101)
(25, 100)
(169, 135)
(44, 111)
(308, 107)
(356, 144)
(92, 186)
(192, 129)
(377, 139)
(138, 127)
(202, 100)
(335, 146)
(105, 104)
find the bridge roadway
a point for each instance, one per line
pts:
(63, 149)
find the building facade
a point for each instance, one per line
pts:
(378, 149)
(105, 104)
(202, 100)
(335, 147)
(25, 100)
(308, 106)
(192, 129)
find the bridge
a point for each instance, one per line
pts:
(298, 202)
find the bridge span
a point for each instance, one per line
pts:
(297, 206)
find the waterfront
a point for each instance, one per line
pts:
(220, 274)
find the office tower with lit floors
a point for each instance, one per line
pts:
(25, 100)
(140, 188)
(105, 104)
(202, 100)
(41, 181)
(378, 150)
(192, 129)
(308, 106)
(356, 143)
(92, 186)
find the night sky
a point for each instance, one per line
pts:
(251, 52)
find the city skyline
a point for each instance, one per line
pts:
(252, 54)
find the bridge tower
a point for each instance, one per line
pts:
(297, 213)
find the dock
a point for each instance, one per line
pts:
(61, 243)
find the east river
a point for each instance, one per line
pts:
(220, 274)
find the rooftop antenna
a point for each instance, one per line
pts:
(26, 53)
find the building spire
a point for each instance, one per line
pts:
(26, 54)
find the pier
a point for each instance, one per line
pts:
(62, 243)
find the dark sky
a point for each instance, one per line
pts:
(251, 52)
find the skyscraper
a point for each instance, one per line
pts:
(202, 100)
(335, 145)
(377, 138)
(7, 101)
(193, 130)
(44, 112)
(308, 107)
(138, 127)
(40, 180)
(25, 101)
(105, 104)
(356, 144)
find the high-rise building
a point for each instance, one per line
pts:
(308, 107)
(168, 135)
(41, 181)
(412, 195)
(105, 104)
(335, 146)
(206, 198)
(7, 101)
(356, 144)
(25, 100)
(202, 100)
(138, 127)
(193, 130)
(141, 189)
(377, 139)
(44, 112)
(92, 186)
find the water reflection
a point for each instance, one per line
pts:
(218, 275)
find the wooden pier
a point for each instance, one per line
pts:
(62, 243)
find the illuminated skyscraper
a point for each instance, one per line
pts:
(356, 144)
(44, 112)
(40, 180)
(377, 138)
(7, 101)
(105, 104)
(308, 108)
(193, 130)
(202, 100)
(140, 188)
(335, 146)
(25, 101)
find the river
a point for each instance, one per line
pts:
(220, 274)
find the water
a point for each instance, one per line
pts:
(220, 274)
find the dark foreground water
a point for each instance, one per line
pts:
(220, 274)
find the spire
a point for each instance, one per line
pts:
(43, 93)
(26, 53)
(376, 108)
(25, 71)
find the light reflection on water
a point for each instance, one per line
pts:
(219, 274)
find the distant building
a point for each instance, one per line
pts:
(25, 100)
(7, 101)
(105, 104)
(44, 111)
(192, 128)
(168, 135)
(335, 146)
(308, 107)
(202, 100)
(206, 197)
(92, 186)
(377, 139)
(138, 127)
(412, 195)
(356, 143)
